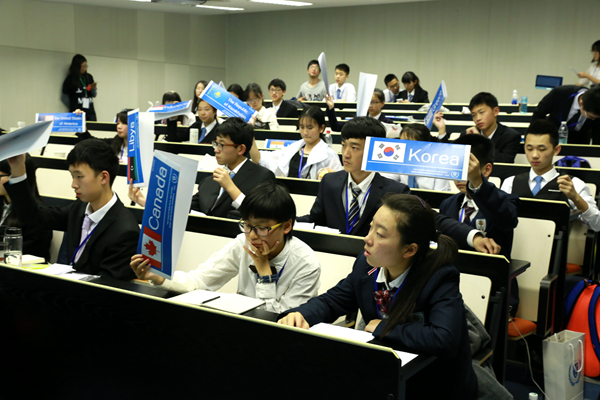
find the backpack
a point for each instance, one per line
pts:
(583, 315)
(573, 162)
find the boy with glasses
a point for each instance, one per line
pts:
(282, 108)
(272, 264)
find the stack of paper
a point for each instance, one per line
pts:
(234, 303)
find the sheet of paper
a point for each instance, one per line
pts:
(195, 297)
(24, 140)
(234, 303)
(57, 269)
(326, 229)
(166, 111)
(366, 86)
(307, 226)
(323, 66)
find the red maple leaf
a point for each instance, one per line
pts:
(151, 247)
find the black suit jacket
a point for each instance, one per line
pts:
(111, 245)
(555, 107)
(420, 96)
(173, 134)
(248, 177)
(287, 110)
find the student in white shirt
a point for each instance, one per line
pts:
(271, 263)
(304, 158)
(420, 133)
(392, 90)
(341, 90)
(266, 116)
(592, 76)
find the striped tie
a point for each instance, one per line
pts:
(354, 214)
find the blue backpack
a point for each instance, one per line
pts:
(573, 162)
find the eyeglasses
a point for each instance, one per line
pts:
(253, 101)
(275, 90)
(219, 146)
(262, 231)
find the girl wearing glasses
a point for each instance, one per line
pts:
(304, 158)
(271, 263)
(266, 118)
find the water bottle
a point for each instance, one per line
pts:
(523, 105)
(515, 98)
(13, 252)
(328, 138)
(533, 396)
(193, 135)
(563, 133)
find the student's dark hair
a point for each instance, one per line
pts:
(172, 96)
(237, 89)
(591, 100)
(317, 115)
(253, 88)
(195, 100)
(543, 127)
(116, 143)
(416, 224)
(596, 47)
(361, 127)
(311, 62)
(30, 168)
(483, 98)
(278, 83)
(97, 154)
(481, 147)
(343, 67)
(411, 77)
(388, 78)
(237, 131)
(269, 201)
(418, 132)
(379, 94)
(75, 68)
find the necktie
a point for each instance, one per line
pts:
(231, 175)
(467, 210)
(353, 213)
(384, 299)
(538, 185)
(394, 97)
(202, 134)
(412, 182)
(85, 231)
(410, 97)
(339, 93)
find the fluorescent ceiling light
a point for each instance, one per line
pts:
(221, 8)
(142, 1)
(283, 2)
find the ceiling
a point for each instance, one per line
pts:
(173, 6)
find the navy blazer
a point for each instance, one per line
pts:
(507, 143)
(287, 110)
(555, 107)
(440, 328)
(420, 96)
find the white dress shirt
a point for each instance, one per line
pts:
(237, 202)
(348, 92)
(268, 115)
(364, 188)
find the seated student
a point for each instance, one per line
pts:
(236, 90)
(224, 192)
(186, 119)
(101, 233)
(413, 92)
(207, 115)
(266, 118)
(377, 103)
(314, 89)
(117, 143)
(409, 297)
(198, 89)
(282, 108)
(544, 182)
(578, 106)
(481, 205)
(304, 158)
(393, 88)
(341, 90)
(36, 240)
(421, 133)
(484, 110)
(272, 264)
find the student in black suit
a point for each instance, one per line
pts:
(578, 106)
(481, 205)
(206, 126)
(283, 109)
(413, 92)
(408, 296)
(377, 103)
(101, 233)
(484, 110)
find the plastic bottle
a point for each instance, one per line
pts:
(533, 396)
(515, 98)
(194, 135)
(328, 138)
(563, 133)
(13, 251)
(523, 105)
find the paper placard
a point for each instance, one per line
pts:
(323, 66)
(64, 122)
(436, 104)
(411, 157)
(24, 140)
(227, 103)
(140, 145)
(277, 143)
(366, 86)
(166, 111)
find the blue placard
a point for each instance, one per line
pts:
(277, 143)
(64, 122)
(156, 235)
(171, 108)
(134, 158)
(227, 103)
(436, 104)
(410, 157)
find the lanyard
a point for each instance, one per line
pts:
(393, 298)
(122, 149)
(82, 244)
(300, 166)
(359, 208)
(280, 272)
(84, 86)
(462, 212)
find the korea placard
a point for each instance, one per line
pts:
(64, 122)
(170, 190)
(166, 111)
(227, 103)
(277, 143)
(140, 146)
(411, 157)
(323, 66)
(436, 104)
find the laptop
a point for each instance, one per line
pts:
(548, 82)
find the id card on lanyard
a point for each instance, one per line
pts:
(81, 245)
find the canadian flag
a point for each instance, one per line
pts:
(151, 247)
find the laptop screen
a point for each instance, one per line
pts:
(547, 82)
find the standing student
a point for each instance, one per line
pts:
(591, 77)
(342, 90)
(198, 89)
(282, 108)
(80, 88)
(484, 110)
(266, 118)
(544, 182)
(413, 92)
(304, 158)
(119, 142)
(579, 107)
(393, 88)
(314, 89)
(375, 107)
(272, 264)
(101, 233)
(409, 297)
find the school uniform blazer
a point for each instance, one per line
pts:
(248, 177)
(555, 107)
(438, 328)
(287, 110)
(337, 126)
(107, 252)
(420, 96)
